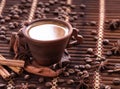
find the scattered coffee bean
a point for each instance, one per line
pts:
(16, 16)
(2, 37)
(41, 80)
(105, 41)
(114, 24)
(71, 71)
(117, 66)
(90, 50)
(76, 66)
(48, 84)
(66, 74)
(2, 86)
(116, 81)
(108, 87)
(13, 75)
(2, 21)
(1, 17)
(70, 81)
(93, 32)
(3, 28)
(46, 10)
(109, 53)
(95, 38)
(2, 32)
(51, 2)
(27, 77)
(62, 3)
(102, 86)
(88, 60)
(82, 14)
(87, 66)
(82, 6)
(93, 23)
(81, 66)
(8, 39)
(61, 80)
(80, 73)
(7, 18)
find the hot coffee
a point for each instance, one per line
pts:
(47, 39)
(47, 32)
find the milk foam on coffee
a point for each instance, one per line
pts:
(47, 32)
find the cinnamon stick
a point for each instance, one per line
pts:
(4, 73)
(9, 62)
(17, 70)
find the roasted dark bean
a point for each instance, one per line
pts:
(2, 21)
(82, 14)
(70, 81)
(105, 41)
(2, 37)
(79, 73)
(48, 84)
(95, 38)
(116, 81)
(41, 80)
(3, 28)
(2, 32)
(27, 77)
(109, 53)
(90, 50)
(61, 80)
(93, 23)
(83, 6)
(7, 18)
(76, 66)
(88, 60)
(2, 86)
(82, 66)
(71, 71)
(93, 32)
(87, 66)
(66, 74)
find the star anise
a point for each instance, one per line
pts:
(82, 84)
(116, 48)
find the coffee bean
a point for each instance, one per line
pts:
(87, 66)
(93, 23)
(13, 75)
(82, 6)
(2, 21)
(27, 77)
(23, 1)
(16, 16)
(61, 80)
(25, 11)
(41, 80)
(62, 3)
(3, 28)
(81, 66)
(76, 66)
(66, 74)
(46, 10)
(8, 39)
(7, 18)
(2, 37)
(95, 38)
(108, 87)
(105, 41)
(71, 71)
(90, 50)
(51, 2)
(2, 86)
(79, 73)
(47, 4)
(70, 81)
(48, 84)
(109, 53)
(88, 60)
(93, 32)
(82, 14)
(2, 32)
(116, 81)
(114, 24)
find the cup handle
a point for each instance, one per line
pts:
(76, 38)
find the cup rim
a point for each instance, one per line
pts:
(68, 25)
